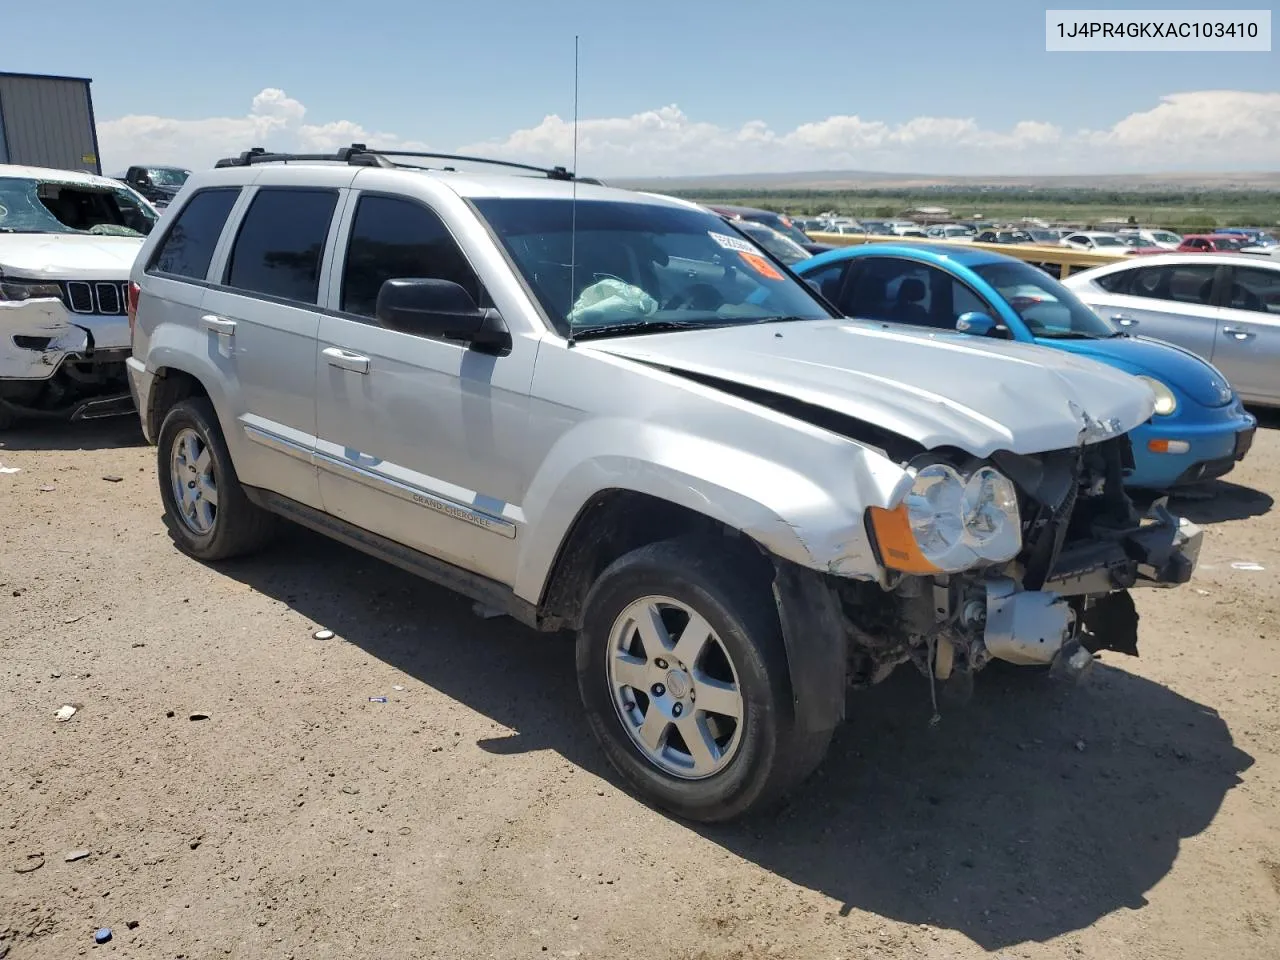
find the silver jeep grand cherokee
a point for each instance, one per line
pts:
(610, 412)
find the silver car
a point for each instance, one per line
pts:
(1224, 307)
(613, 413)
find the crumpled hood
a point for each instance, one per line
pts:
(1172, 365)
(67, 256)
(935, 387)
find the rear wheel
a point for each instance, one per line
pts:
(683, 674)
(209, 515)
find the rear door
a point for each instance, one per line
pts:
(1247, 348)
(261, 319)
(1171, 301)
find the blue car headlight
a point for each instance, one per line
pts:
(1166, 402)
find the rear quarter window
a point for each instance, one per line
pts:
(187, 249)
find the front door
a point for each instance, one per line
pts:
(1172, 302)
(419, 439)
(1247, 348)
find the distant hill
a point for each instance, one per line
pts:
(871, 180)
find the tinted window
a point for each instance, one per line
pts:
(828, 279)
(399, 239)
(900, 291)
(281, 242)
(1185, 283)
(1117, 282)
(964, 300)
(1256, 289)
(188, 248)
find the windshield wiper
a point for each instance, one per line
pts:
(642, 326)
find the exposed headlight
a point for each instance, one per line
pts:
(28, 290)
(1166, 402)
(950, 522)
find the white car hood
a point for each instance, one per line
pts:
(934, 387)
(67, 256)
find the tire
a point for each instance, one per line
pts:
(235, 526)
(756, 759)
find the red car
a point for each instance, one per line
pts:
(1211, 243)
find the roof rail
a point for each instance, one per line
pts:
(358, 154)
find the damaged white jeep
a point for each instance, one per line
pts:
(67, 242)
(611, 413)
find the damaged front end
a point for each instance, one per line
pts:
(1062, 598)
(51, 369)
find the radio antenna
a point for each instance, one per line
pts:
(573, 202)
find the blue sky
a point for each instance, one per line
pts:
(474, 73)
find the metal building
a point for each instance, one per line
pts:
(48, 122)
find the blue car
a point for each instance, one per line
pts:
(1200, 429)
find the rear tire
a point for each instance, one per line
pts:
(209, 515)
(649, 708)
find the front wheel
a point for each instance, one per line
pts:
(683, 673)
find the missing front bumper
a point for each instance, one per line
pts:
(1087, 595)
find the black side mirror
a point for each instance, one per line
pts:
(441, 308)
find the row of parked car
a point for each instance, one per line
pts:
(744, 485)
(1131, 240)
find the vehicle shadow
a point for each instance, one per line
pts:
(1218, 501)
(1031, 811)
(105, 434)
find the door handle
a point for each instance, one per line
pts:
(1124, 320)
(345, 359)
(1237, 333)
(219, 325)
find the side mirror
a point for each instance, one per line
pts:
(815, 286)
(441, 308)
(974, 322)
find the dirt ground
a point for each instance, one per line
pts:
(471, 815)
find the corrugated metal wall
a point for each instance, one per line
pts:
(48, 122)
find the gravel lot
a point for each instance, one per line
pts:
(471, 815)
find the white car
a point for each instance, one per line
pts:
(1096, 241)
(1221, 306)
(955, 232)
(68, 240)
(1165, 239)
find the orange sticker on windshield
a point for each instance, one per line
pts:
(760, 265)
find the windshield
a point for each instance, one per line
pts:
(28, 205)
(1106, 240)
(782, 224)
(168, 176)
(784, 248)
(1048, 308)
(642, 265)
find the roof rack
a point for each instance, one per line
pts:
(360, 155)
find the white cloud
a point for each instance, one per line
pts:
(1206, 130)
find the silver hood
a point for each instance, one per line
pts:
(935, 387)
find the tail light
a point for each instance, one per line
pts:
(134, 290)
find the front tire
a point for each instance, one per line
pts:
(683, 673)
(209, 515)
